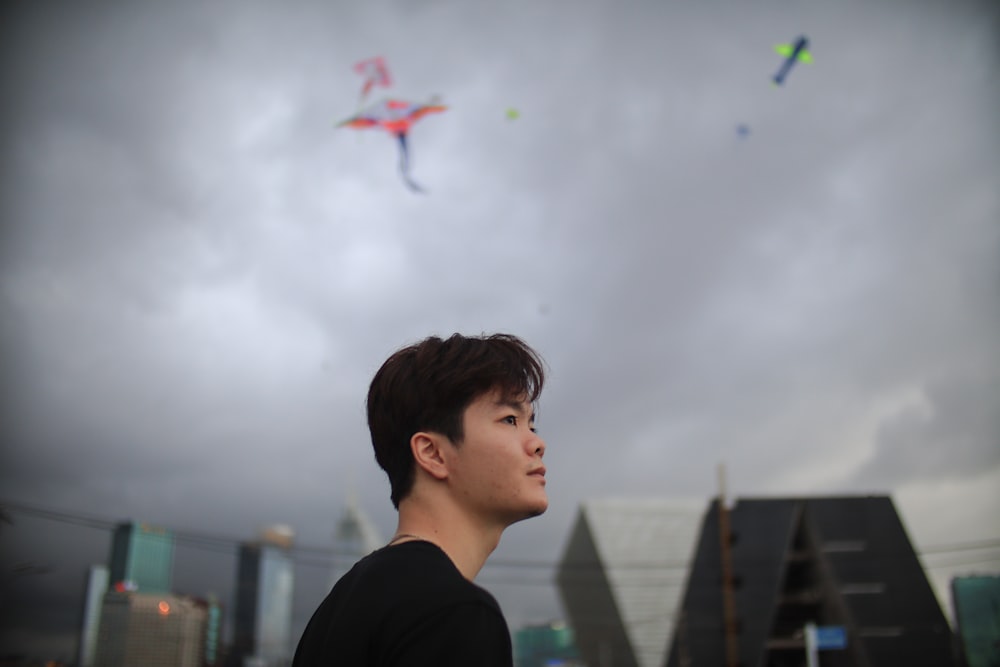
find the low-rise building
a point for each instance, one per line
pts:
(150, 630)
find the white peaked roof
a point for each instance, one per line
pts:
(356, 535)
(645, 548)
(354, 538)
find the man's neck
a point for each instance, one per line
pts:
(467, 542)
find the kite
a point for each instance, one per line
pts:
(793, 53)
(375, 73)
(513, 114)
(395, 117)
(743, 130)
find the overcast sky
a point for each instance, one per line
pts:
(199, 274)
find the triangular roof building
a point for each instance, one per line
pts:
(841, 563)
(622, 576)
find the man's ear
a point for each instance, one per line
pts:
(427, 452)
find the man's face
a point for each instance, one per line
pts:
(497, 468)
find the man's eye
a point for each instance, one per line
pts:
(511, 420)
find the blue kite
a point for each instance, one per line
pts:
(796, 52)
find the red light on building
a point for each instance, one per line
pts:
(164, 607)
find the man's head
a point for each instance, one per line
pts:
(427, 387)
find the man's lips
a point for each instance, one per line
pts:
(538, 471)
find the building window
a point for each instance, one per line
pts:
(863, 588)
(887, 631)
(844, 546)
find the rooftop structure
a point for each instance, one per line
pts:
(842, 563)
(622, 576)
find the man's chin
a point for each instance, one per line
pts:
(537, 510)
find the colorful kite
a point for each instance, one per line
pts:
(375, 73)
(793, 53)
(395, 117)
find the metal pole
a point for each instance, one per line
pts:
(728, 603)
(812, 654)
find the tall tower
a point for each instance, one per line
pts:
(97, 586)
(262, 633)
(354, 538)
(142, 557)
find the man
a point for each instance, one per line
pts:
(452, 424)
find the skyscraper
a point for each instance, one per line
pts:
(142, 557)
(213, 630)
(263, 613)
(97, 586)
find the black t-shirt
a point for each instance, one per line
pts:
(406, 605)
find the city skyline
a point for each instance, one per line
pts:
(314, 559)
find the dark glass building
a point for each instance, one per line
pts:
(845, 564)
(262, 622)
(142, 558)
(977, 615)
(547, 645)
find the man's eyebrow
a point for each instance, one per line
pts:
(516, 406)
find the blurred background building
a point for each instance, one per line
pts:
(354, 538)
(96, 587)
(262, 620)
(150, 630)
(622, 575)
(545, 645)
(142, 557)
(131, 618)
(212, 652)
(976, 600)
(845, 564)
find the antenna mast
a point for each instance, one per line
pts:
(728, 604)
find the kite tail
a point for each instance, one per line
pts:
(364, 92)
(404, 164)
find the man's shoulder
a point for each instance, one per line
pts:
(406, 600)
(418, 569)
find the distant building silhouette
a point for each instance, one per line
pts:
(213, 631)
(354, 538)
(844, 562)
(262, 617)
(976, 599)
(622, 574)
(97, 586)
(150, 630)
(142, 558)
(545, 645)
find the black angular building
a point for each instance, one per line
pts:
(835, 561)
